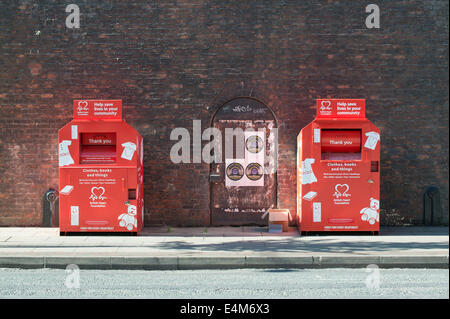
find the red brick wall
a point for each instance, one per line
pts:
(174, 62)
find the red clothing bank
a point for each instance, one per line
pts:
(338, 169)
(100, 170)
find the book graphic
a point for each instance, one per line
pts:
(66, 190)
(310, 195)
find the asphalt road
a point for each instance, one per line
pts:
(242, 283)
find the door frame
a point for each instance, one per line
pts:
(216, 110)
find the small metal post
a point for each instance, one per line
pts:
(52, 197)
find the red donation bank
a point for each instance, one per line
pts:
(338, 169)
(100, 171)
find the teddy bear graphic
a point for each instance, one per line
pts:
(371, 214)
(128, 219)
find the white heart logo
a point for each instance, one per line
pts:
(83, 104)
(341, 189)
(325, 103)
(97, 192)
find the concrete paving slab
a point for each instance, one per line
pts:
(292, 232)
(94, 251)
(207, 262)
(68, 239)
(220, 231)
(146, 263)
(129, 251)
(415, 231)
(17, 251)
(91, 262)
(346, 260)
(279, 261)
(4, 237)
(431, 261)
(173, 231)
(22, 262)
(58, 251)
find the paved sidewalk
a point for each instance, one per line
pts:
(224, 248)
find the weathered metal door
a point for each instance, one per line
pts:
(243, 184)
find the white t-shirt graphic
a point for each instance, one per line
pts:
(372, 140)
(308, 176)
(64, 154)
(128, 151)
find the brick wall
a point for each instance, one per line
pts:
(174, 62)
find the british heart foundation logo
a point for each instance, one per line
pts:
(97, 197)
(325, 105)
(342, 194)
(325, 108)
(83, 107)
(97, 193)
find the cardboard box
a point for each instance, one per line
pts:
(279, 216)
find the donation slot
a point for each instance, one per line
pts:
(341, 144)
(98, 148)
